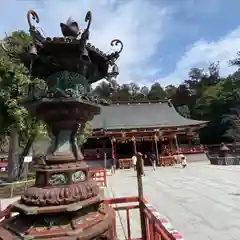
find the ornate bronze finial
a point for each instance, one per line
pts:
(34, 17)
(115, 55)
(116, 42)
(85, 34)
(88, 19)
(36, 35)
(70, 28)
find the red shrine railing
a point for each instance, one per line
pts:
(198, 149)
(157, 227)
(99, 175)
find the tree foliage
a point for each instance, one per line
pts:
(15, 80)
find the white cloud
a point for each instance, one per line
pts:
(202, 52)
(140, 24)
(137, 23)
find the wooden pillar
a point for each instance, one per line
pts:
(171, 145)
(156, 147)
(104, 146)
(140, 195)
(189, 141)
(113, 142)
(153, 145)
(134, 145)
(176, 142)
(190, 135)
(104, 152)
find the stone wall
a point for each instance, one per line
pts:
(228, 160)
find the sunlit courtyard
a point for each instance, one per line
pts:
(202, 201)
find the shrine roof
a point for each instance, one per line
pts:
(141, 115)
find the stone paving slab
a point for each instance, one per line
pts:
(202, 201)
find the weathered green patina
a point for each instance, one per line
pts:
(78, 176)
(65, 80)
(58, 179)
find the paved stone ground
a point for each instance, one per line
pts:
(202, 201)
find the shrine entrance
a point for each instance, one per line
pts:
(124, 149)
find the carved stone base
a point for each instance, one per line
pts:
(60, 195)
(19, 206)
(84, 224)
(61, 184)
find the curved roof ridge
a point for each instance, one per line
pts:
(145, 115)
(140, 102)
(189, 119)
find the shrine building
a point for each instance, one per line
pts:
(125, 128)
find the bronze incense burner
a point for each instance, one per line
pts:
(65, 202)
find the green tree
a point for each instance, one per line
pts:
(103, 90)
(184, 111)
(15, 80)
(134, 90)
(156, 92)
(124, 93)
(142, 94)
(232, 119)
(235, 61)
(170, 91)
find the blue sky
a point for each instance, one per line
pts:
(162, 39)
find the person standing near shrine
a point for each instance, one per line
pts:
(153, 159)
(183, 160)
(114, 163)
(134, 162)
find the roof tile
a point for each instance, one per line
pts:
(144, 115)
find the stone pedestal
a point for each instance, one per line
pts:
(65, 202)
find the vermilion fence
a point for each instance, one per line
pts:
(3, 166)
(99, 175)
(5, 214)
(157, 227)
(199, 149)
(166, 160)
